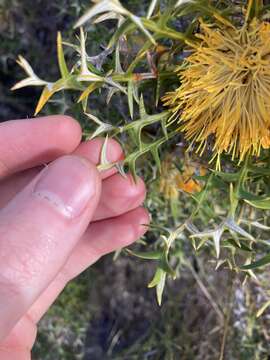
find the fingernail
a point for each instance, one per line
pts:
(68, 184)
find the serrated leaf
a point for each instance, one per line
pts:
(118, 66)
(130, 98)
(26, 66)
(85, 94)
(89, 77)
(165, 265)
(141, 26)
(214, 234)
(259, 170)
(115, 84)
(256, 224)
(155, 155)
(205, 8)
(142, 108)
(245, 195)
(32, 79)
(191, 227)
(110, 94)
(151, 8)
(156, 279)
(164, 127)
(138, 125)
(257, 264)
(262, 309)
(160, 228)
(158, 86)
(28, 82)
(61, 58)
(126, 27)
(238, 245)
(253, 9)
(149, 255)
(136, 92)
(140, 55)
(120, 168)
(219, 263)
(202, 195)
(108, 16)
(229, 177)
(102, 126)
(217, 237)
(105, 6)
(162, 32)
(131, 159)
(160, 288)
(251, 274)
(84, 67)
(116, 254)
(46, 94)
(50, 89)
(260, 204)
(231, 224)
(104, 150)
(182, 2)
(100, 7)
(85, 73)
(72, 46)
(174, 208)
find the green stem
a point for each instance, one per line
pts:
(235, 195)
(254, 9)
(195, 211)
(141, 76)
(166, 31)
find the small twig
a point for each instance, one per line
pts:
(224, 337)
(206, 293)
(227, 322)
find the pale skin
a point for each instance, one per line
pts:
(55, 220)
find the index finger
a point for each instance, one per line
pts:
(31, 142)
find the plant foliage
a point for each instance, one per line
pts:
(222, 206)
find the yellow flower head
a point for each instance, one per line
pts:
(225, 90)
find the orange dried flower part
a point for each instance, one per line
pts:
(173, 181)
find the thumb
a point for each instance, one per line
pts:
(38, 230)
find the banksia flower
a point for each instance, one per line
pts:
(225, 90)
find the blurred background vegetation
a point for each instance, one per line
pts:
(108, 313)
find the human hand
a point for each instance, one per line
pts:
(45, 236)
